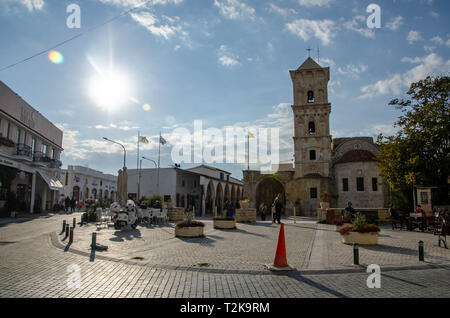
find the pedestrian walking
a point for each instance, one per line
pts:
(278, 206)
(230, 209)
(72, 205)
(66, 204)
(262, 211)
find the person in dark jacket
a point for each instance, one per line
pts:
(67, 204)
(263, 211)
(72, 205)
(278, 205)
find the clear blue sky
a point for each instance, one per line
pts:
(224, 62)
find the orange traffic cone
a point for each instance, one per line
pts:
(280, 261)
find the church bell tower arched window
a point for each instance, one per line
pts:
(311, 127)
(310, 97)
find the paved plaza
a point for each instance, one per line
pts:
(36, 261)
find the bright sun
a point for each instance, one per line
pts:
(109, 90)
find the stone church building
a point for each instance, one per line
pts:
(342, 169)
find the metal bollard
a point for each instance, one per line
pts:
(67, 231)
(421, 253)
(64, 226)
(71, 235)
(355, 254)
(74, 222)
(94, 240)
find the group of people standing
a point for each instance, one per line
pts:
(277, 207)
(230, 207)
(69, 204)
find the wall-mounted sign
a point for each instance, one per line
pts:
(8, 163)
(27, 117)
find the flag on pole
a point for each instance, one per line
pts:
(143, 139)
(162, 140)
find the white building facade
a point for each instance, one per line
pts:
(30, 149)
(205, 188)
(82, 184)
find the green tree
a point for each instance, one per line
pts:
(418, 154)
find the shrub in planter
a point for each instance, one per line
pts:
(360, 232)
(90, 216)
(190, 224)
(189, 227)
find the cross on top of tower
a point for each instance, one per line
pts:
(309, 51)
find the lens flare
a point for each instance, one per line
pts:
(146, 107)
(110, 90)
(55, 57)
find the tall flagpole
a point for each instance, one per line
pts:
(248, 151)
(159, 156)
(137, 165)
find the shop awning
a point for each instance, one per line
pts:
(53, 183)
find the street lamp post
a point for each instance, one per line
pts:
(124, 150)
(124, 165)
(140, 168)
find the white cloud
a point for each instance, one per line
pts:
(148, 20)
(429, 49)
(431, 64)
(323, 61)
(145, 17)
(281, 11)
(358, 24)
(411, 60)
(324, 30)
(376, 129)
(235, 9)
(226, 58)
(413, 36)
(29, 4)
(351, 70)
(438, 40)
(310, 3)
(395, 23)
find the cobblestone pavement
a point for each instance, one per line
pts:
(34, 267)
(309, 246)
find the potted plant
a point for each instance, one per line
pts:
(324, 203)
(360, 232)
(244, 203)
(189, 227)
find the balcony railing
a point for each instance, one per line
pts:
(41, 157)
(23, 150)
(55, 163)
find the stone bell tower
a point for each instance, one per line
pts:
(312, 140)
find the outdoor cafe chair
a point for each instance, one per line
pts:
(102, 217)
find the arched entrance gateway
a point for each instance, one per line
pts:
(209, 199)
(219, 199)
(267, 190)
(76, 193)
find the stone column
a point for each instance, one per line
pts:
(44, 197)
(203, 205)
(33, 190)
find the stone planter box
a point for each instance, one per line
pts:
(245, 215)
(370, 238)
(189, 231)
(224, 224)
(175, 214)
